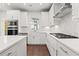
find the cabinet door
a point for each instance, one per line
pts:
(10, 52)
(24, 19)
(13, 15)
(44, 19)
(75, 10)
(51, 14)
(21, 48)
(43, 37)
(36, 38)
(51, 49)
(51, 44)
(23, 22)
(62, 52)
(52, 41)
(65, 52)
(31, 37)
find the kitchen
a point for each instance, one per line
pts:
(39, 29)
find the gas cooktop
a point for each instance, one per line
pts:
(61, 35)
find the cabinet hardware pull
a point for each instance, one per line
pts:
(63, 50)
(9, 53)
(56, 52)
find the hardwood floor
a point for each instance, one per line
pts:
(37, 50)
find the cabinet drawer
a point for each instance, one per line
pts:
(71, 53)
(67, 50)
(52, 42)
(51, 49)
(10, 52)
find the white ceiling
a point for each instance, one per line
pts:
(26, 6)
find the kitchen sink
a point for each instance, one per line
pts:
(61, 35)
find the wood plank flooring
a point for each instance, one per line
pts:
(37, 50)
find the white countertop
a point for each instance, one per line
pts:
(73, 44)
(8, 41)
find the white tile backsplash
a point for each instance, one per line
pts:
(67, 26)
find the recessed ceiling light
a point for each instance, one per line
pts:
(40, 3)
(56, 26)
(30, 5)
(24, 3)
(8, 4)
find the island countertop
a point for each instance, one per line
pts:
(8, 41)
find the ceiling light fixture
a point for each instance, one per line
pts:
(30, 5)
(56, 26)
(24, 3)
(8, 4)
(40, 3)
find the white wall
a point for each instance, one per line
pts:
(68, 26)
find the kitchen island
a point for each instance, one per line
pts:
(13, 45)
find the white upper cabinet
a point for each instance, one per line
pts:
(44, 19)
(23, 22)
(75, 10)
(23, 19)
(51, 14)
(13, 15)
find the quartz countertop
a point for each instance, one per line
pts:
(8, 41)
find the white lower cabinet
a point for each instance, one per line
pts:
(51, 50)
(64, 51)
(61, 51)
(18, 49)
(10, 52)
(51, 44)
(21, 48)
(57, 48)
(36, 38)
